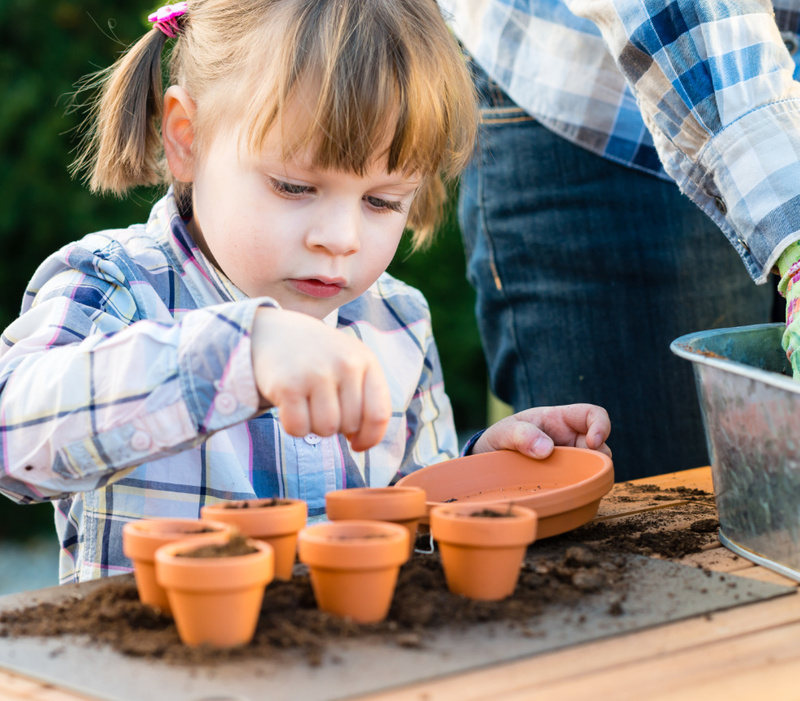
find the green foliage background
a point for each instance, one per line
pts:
(46, 46)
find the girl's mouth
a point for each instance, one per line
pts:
(321, 289)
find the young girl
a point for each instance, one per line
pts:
(246, 342)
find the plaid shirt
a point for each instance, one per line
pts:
(128, 392)
(714, 84)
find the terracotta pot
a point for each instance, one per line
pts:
(564, 489)
(275, 521)
(141, 539)
(215, 600)
(402, 505)
(482, 555)
(354, 566)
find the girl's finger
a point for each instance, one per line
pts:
(325, 410)
(377, 409)
(294, 414)
(351, 402)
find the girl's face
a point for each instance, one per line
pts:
(311, 239)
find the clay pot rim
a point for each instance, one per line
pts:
(550, 502)
(170, 550)
(141, 538)
(158, 525)
(259, 522)
(320, 546)
(213, 572)
(450, 524)
(377, 503)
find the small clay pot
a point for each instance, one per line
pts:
(216, 601)
(354, 566)
(482, 554)
(141, 539)
(275, 521)
(402, 505)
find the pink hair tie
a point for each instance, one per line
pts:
(166, 18)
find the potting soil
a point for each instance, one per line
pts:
(587, 584)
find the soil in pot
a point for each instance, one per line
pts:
(234, 547)
(492, 513)
(255, 503)
(273, 520)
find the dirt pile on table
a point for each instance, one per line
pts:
(672, 534)
(290, 620)
(558, 572)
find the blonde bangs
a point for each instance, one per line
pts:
(376, 80)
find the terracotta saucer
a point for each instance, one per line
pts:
(564, 489)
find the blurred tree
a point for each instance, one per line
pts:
(46, 47)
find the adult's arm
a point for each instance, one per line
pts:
(714, 82)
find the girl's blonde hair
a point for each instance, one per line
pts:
(373, 71)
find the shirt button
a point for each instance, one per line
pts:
(791, 42)
(721, 206)
(744, 244)
(312, 439)
(225, 403)
(140, 441)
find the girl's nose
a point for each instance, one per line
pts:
(337, 231)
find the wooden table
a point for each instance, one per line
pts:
(751, 651)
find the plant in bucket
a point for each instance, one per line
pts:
(141, 539)
(482, 546)
(404, 506)
(354, 566)
(275, 521)
(215, 587)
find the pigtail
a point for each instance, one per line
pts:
(122, 147)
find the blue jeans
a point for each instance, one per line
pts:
(585, 271)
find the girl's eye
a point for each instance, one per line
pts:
(382, 205)
(289, 189)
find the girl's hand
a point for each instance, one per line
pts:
(321, 380)
(534, 432)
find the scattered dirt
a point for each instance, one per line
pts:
(653, 531)
(290, 621)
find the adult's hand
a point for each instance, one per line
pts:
(789, 287)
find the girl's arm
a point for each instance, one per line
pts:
(89, 390)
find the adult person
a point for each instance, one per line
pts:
(586, 257)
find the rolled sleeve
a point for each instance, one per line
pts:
(714, 84)
(78, 416)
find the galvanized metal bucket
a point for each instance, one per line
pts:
(751, 411)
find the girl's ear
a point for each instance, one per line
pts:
(177, 131)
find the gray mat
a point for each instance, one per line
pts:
(657, 592)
